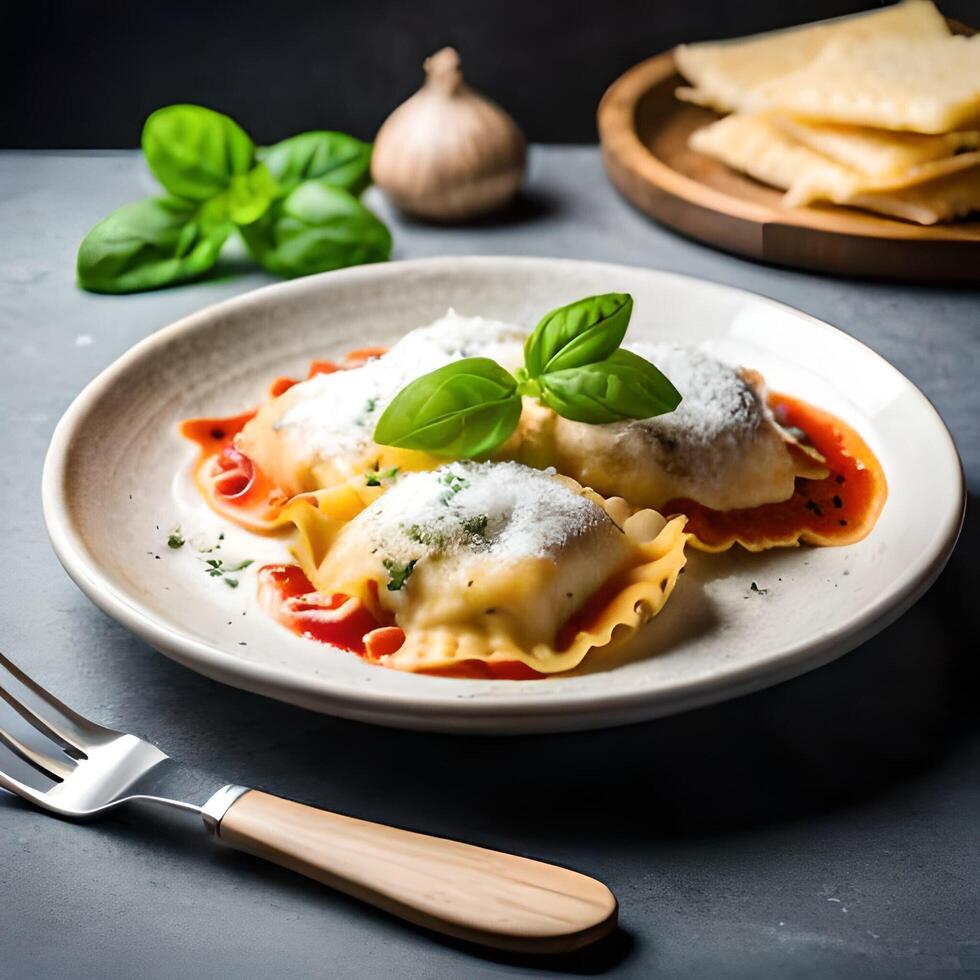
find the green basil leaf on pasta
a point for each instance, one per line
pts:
(580, 333)
(623, 386)
(155, 242)
(195, 152)
(462, 410)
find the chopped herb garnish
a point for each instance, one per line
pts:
(175, 539)
(398, 574)
(475, 526)
(216, 568)
(429, 536)
(417, 534)
(455, 482)
(374, 478)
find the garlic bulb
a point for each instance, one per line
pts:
(448, 154)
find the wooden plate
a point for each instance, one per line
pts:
(643, 129)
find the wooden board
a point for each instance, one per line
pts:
(643, 129)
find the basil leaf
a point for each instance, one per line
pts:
(195, 152)
(340, 160)
(580, 333)
(316, 228)
(249, 195)
(623, 386)
(465, 409)
(155, 242)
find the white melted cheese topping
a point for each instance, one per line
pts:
(505, 511)
(334, 413)
(718, 405)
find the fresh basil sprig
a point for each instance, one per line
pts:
(463, 409)
(149, 243)
(295, 204)
(623, 386)
(195, 152)
(579, 333)
(333, 158)
(573, 364)
(315, 228)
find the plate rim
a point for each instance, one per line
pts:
(503, 714)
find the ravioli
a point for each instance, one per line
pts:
(493, 563)
(721, 447)
(318, 433)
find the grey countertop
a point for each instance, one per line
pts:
(825, 827)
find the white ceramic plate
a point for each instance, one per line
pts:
(115, 481)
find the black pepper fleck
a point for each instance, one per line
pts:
(217, 433)
(842, 523)
(837, 502)
(839, 478)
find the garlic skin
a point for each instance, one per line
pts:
(447, 154)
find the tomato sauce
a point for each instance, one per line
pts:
(227, 479)
(839, 509)
(287, 595)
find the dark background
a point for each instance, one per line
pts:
(86, 74)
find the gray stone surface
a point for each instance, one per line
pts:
(826, 827)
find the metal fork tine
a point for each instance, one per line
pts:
(21, 789)
(51, 717)
(54, 768)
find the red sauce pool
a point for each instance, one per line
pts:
(839, 509)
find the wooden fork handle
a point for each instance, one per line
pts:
(468, 892)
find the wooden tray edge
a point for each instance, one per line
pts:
(804, 238)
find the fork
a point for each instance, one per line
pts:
(467, 892)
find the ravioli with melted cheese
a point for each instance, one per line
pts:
(490, 562)
(721, 447)
(318, 433)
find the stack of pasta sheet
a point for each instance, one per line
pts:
(878, 111)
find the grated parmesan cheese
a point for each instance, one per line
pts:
(719, 410)
(333, 413)
(502, 510)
